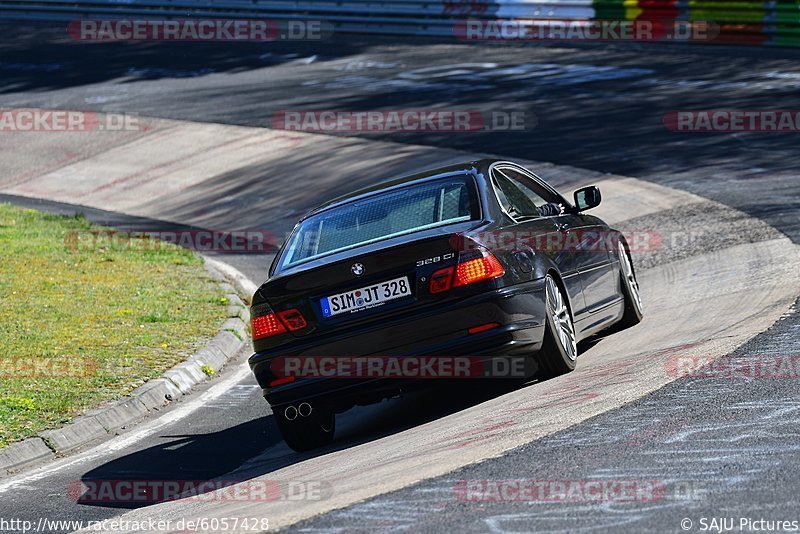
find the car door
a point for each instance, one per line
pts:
(521, 202)
(584, 240)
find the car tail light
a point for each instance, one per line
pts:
(441, 280)
(484, 267)
(267, 325)
(293, 319)
(479, 265)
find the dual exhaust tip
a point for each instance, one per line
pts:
(291, 413)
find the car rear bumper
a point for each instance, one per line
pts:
(438, 332)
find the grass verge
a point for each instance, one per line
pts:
(82, 325)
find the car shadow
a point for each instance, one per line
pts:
(207, 462)
(186, 459)
(203, 463)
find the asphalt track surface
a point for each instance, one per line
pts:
(731, 445)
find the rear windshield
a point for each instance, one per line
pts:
(382, 216)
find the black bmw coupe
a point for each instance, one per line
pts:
(432, 275)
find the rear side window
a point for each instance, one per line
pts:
(517, 198)
(382, 216)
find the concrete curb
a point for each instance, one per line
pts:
(242, 285)
(105, 422)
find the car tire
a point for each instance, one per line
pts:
(559, 349)
(306, 433)
(630, 290)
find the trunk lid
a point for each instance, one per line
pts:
(308, 288)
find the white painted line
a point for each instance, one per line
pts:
(121, 442)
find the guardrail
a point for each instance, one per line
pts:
(769, 22)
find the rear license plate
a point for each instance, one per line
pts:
(365, 297)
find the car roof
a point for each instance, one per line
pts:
(468, 167)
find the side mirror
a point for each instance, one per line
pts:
(587, 198)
